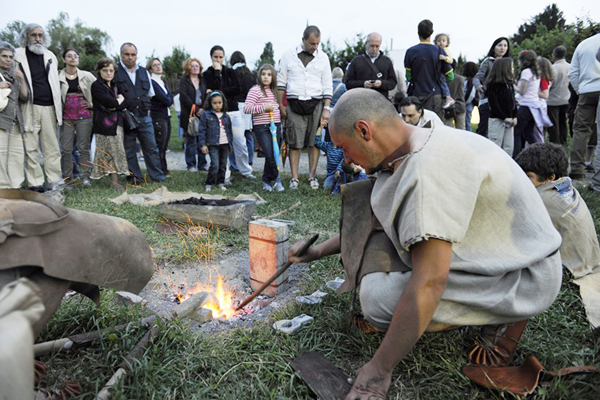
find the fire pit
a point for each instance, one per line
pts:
(224, 214)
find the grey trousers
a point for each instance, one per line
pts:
(585, 116)
(83, 129)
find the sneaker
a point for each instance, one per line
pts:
(314, 183)
(193, 169)
(294, 183)
(249, 176)
(86, 183)
(448, 103)
(221, 186)
(278, 187)
(266, 187)
(228, 182)
(207, 188)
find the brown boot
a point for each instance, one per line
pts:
(496, 344)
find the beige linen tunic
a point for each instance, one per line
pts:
(462, 188)
(579, 250)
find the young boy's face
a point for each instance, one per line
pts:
(535, 179)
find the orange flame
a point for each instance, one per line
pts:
(225, 308)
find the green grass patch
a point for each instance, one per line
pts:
(252, 363)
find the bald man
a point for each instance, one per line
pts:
(372, 69)
(459, 237)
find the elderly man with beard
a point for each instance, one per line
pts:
(43, 111)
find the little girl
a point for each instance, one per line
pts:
(529, 101)
(503, 108)
(215, 137)
(260, 102)
(442, 40)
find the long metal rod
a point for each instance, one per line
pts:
(280, 271)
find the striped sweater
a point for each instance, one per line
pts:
(255, 105)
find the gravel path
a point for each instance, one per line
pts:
(176, 161)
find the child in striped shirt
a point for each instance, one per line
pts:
(260, 102)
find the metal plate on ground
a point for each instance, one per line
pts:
(325, 379)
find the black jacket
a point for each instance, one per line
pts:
(107, 110)
(501, 97)
(187, 97)
(361, 70)
(160, 102)
(225, 81)
(247, 79)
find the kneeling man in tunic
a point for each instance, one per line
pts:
(456, 236)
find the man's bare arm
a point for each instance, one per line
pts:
(431, 266)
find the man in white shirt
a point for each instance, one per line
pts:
(584, 74)
(304, 77)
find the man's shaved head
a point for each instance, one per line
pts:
(360, 103)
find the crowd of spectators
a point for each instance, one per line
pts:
(123, 110)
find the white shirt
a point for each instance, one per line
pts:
(305, 83)
(585, 69)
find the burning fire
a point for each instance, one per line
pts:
(225, 308)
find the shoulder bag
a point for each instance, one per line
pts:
(4, 93)
(194, 121)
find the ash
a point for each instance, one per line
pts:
(174, 278)
(206, 202)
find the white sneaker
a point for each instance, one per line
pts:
(193, 169)
(293, 183)
(266, 187)
(278, 187)
(207, 188)
(314, 183)
(222, 186)
(448, 103)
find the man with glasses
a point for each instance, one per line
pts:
(372, 69)
(43, 112)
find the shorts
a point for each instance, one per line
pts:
(300, 130)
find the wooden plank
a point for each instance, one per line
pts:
(325, 379)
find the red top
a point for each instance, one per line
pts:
(544, 83)
(255, 105)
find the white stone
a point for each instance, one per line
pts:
(335, 284)
(291, 326)
(315, 298)
(127, 298)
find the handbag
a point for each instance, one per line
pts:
(194, 122)
(131, 121)
(4, 93)
(303, 107)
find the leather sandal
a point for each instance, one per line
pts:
(363, 325)
(39, 371)
(495, 346)
(64, 391)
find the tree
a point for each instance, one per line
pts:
(267, 56)
(341, 58)
(551, 18)
(173, 64)
(12, 32)
(88, 42)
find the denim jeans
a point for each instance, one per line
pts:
(595, 181)
(193, 156)
(162, 131)
(523, 130)
(468, 117)
(265, 139)
(145, 134)
(218, 164)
